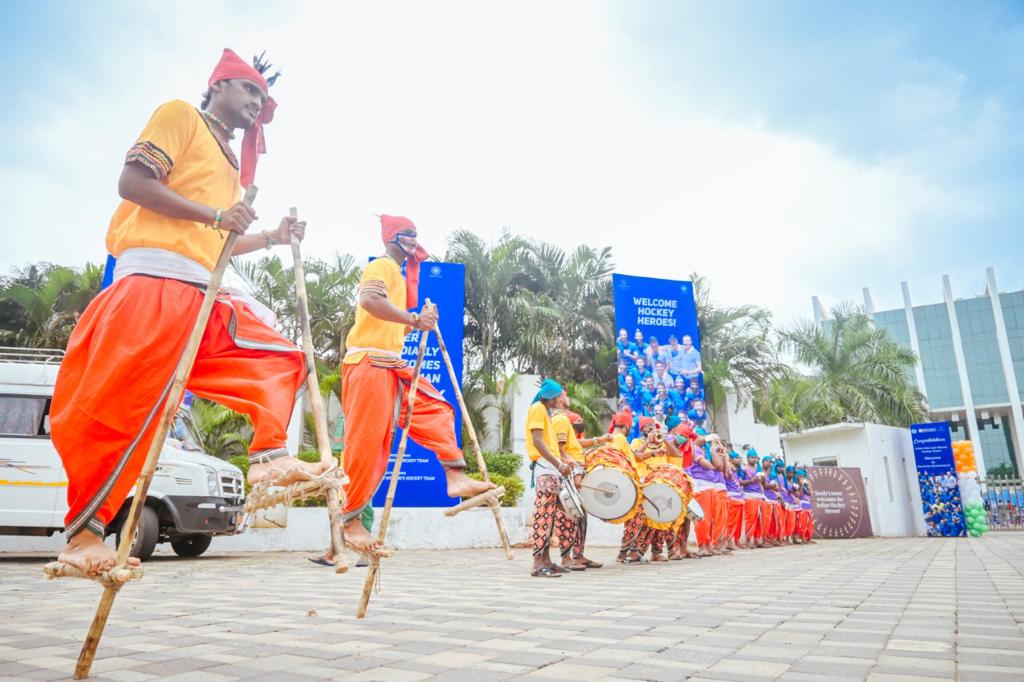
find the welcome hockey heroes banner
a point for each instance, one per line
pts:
(657, 307)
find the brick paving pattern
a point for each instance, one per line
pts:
(915, 609)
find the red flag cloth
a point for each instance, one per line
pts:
(390, 226)
(253, 142)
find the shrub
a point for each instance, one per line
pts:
(514, 487)
(503, 463)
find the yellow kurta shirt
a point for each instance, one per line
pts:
(566, 435)
(180, 149)
(383, 276)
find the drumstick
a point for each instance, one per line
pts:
(600, 490)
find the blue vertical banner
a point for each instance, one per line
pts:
(656, 320)
(421, 482)
(936, 475)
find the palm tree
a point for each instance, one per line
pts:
(499, 298)
(225, 432)
(40, 305)
(856, 371)
(576, 288)
(737, 349)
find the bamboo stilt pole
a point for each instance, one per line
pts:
(316, 402)
(181, 374)
(495, 505)
(490, 498)
(371, 573)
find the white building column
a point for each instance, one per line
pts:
(818, 310)
(914, 344)
(961, 368)
(869, 303)
(1006, 360)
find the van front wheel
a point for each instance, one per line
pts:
(148, 534)
(192, 545)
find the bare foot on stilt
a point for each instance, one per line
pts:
(358, 538)
(461, 485)
(286, 470)
(89, 553)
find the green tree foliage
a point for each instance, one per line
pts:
(40, 305)
(855, 371)
(738, 351)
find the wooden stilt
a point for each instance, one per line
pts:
(260, 499)
(494, 500)
(396, 470)
(181, 374)
(490, 498)
(316, 403)
(114, 577)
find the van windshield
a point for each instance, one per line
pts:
(23, 416)
(185, 433)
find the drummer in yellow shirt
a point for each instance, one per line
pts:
(549, 467)
(568, 427)
(652, 452)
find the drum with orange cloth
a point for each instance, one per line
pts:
(610, 489)
(667, 491)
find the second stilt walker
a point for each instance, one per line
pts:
(374, 377)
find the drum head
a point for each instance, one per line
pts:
(662, 502)
(608, 494)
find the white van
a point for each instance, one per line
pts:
(192, 498)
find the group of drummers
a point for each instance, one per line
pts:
(672, 478)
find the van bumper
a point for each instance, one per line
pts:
(214, 515)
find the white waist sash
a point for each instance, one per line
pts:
(154, 262)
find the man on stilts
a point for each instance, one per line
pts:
(376, 381)
(180, 185)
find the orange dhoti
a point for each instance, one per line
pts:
(721, 529)
(735, 518)
(368, 394)
(805, 524)
(769, 520)
(789, 526)
(118, 370)
(752, 519)
(706, 528)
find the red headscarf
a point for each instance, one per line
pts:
(253, 143)
(389, 227)
(573, 417)
(645, 421)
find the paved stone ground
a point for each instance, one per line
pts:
(897, 609)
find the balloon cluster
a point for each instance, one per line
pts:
(970, 489)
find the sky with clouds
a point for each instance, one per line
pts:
(782, 149)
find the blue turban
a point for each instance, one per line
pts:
(549, 389)
(672, 422)
(700, 431)
(791, 468)
(766, 458)
(751, 452)
(801, 472)
(733, 454)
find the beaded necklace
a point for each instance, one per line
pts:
(220, 124)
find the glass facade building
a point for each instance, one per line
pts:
(970, 366)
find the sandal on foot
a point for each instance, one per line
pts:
(590, 563)
(321, 561)
(545, 572)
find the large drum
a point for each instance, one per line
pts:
(667, 492)
(610, 489)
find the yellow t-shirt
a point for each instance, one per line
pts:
(383, 276)
(620, 443)
(179, 148)
(537, 418)
(566, 435)
(644, 466)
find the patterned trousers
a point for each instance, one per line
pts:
(549, 517)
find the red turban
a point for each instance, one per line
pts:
(645, 422)
(390, 226)
(253, 143)
(573, 417)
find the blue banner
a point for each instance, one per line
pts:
(421, 482)
(658, 343)
(936, 475)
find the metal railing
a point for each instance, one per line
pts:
(36, 356)
(1004, 502)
